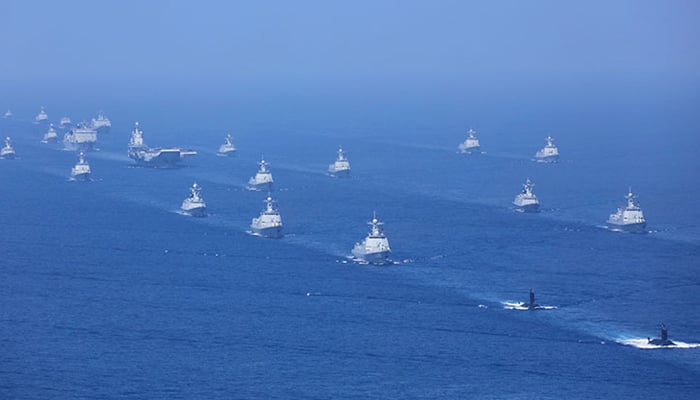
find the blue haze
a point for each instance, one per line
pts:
(106, 292)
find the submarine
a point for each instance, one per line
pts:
(532, 305)
(663, 341)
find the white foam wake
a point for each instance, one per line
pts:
(523, 306)
(644, 344)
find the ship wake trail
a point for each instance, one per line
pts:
(643, 343)
(523, 306)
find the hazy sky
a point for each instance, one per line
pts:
(347, 42)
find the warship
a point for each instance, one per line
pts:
(7, 152)
(101, 124)
(194, 205)
(471, 144)
(663, 340)
(81, 138)
(341, 167)
(65, 122)
(262, 179)
(227, 149)
(549, 153)
(8, 114)
(526, 201)
(50, 136)
(628, 219)
(81, 170)
(374, 249)
(41, 117)
(154, 157)
(269, 223)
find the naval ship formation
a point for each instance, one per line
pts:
(154, 157)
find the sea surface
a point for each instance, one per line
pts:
(106, 291)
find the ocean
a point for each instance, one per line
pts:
(106, 291)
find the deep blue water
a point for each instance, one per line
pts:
(107, 292)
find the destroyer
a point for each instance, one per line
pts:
(41, 117)
(50, 136)
(262, 179)
(471, 145)
(154, 157)
(269, 223)
(7, 152)
(101, 124)
(549, 153)
(82, 138)
(663, 341)
(227, 149)
(194, 205)
(526, 201)
(81, 170)
(628, 219)
(65, 122)
(341, 167)
(374, 249)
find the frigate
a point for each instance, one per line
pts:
(194, 205)
(471, 144)
(81, 170)
(269, 223)
(549, 153)
(262, 180)
(7, 152)
(526, 201)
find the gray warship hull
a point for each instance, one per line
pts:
(630, 228)
(274, 232)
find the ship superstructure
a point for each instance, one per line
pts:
(194, 205)
(227, 149)
(269, 223)
(341, 167)
(154, 157)
(7, 152)
(630, 218)
(81, 138)
(526, 201)
(374, 249)
(81, 170)
(471, 144)
(262, 180)
(549, 153)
